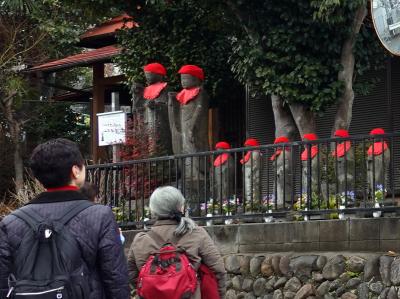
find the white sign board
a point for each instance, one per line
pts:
(111, 128)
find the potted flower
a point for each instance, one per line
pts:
(208, 209)
(343, 198)
(301, 205)
(268, 206)
(146, 216)
(379, 197)
(228, 206)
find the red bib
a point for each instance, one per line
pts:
(221, 159)
(153, 91)
(314, 152)
(378, 148)
(341, 149)
(186, 95)
(246, 158)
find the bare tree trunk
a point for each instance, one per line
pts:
(14, 126)
(18, 162)
(345, 103)
(304, 118)
(284, 123)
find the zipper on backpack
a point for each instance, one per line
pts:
(9, 292)
(40, 293)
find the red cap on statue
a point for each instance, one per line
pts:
(193, 70)
(377, 131)
(310, 136)
(222, 145)
(342, 133)
(281, 139)
(251, 142)
(156, 68)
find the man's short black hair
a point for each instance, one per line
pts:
(51, 162)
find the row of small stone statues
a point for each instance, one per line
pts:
(378, 159)
(180, 124)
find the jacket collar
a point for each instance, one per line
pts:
(165, 222)
(58, 196)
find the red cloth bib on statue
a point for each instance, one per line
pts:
(245, 158)
(221, 159)
(277, 153)
(378, 148)
(153, 91)
(342, 149)
(186, 95)
(314, 152)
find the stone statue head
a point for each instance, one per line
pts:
(154, 72)
(152, 78)
(191, 76)
(189, 81)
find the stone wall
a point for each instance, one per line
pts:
(356, 234)
(327, 276)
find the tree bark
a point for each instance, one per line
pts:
(18, 162)
(284, 123)
(14, 126)
(345, 103)
(303, 117)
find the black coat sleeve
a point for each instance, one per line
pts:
(5, 260)
(111, 259)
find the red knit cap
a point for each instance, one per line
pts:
(251, 142)
(156, 68)
(222, 145)
(342, 133)
(193, 70)
(310, 136)
(377, 131)
(281, 139)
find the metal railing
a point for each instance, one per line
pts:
(297, 180)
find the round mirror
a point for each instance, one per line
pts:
(386, 18)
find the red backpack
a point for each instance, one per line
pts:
(167, 273)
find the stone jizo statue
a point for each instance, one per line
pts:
(310, 153)
(378, 160)
(344, 157)
(251, 167)
(188, 117)
(152, 103)
(223, 174)
(282, 164)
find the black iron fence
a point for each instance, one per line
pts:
(326, 178)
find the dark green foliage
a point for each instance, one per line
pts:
(56, 120)
(177, 33)
(294, 49)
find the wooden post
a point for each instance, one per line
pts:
(97, 107)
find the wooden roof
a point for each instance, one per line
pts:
(82, 59)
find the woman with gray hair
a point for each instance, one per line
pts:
(167, 206)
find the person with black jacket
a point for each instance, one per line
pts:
(59, 167)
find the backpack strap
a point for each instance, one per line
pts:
(75, 210)
(29, 216)
(33, 219)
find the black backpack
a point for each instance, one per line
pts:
(48, 263)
